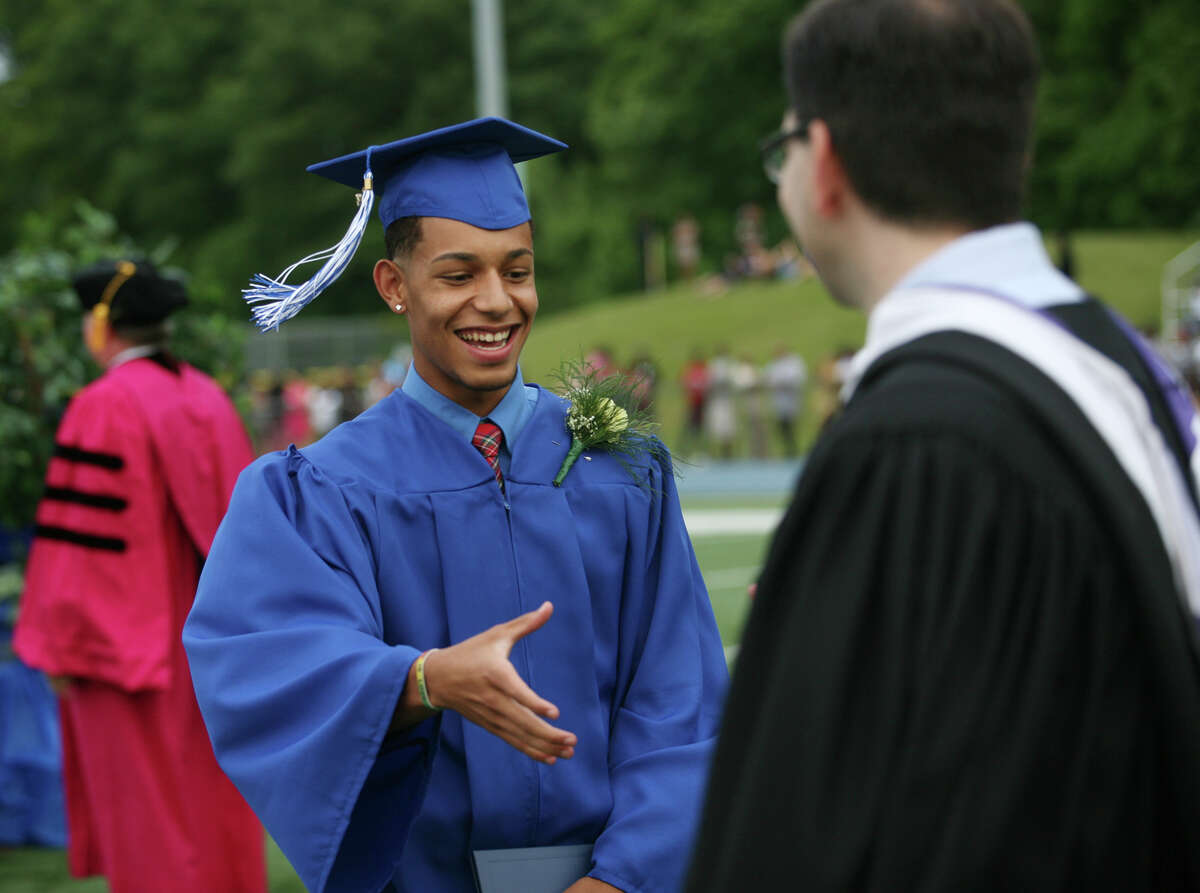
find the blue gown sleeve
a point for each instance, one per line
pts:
(297, 686)
(673, 668)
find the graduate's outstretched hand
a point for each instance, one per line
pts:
(476, 679)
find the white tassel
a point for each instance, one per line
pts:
(276, 302)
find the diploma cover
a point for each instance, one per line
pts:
(540, 869)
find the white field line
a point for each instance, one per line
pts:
(726, 522)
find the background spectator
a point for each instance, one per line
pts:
(748, 392)
(786, 377)
(685, 245)
(720, 414)
(694, 381)
(644, 375)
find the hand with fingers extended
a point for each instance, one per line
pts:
(476, 680)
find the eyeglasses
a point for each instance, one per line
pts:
(774, 149)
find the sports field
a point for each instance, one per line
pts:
(730, 510)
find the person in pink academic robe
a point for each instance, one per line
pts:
(144, 462)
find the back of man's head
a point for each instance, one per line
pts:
(929, 102)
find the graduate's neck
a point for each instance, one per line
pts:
(488, 400)
(477, 390)
(880, 253)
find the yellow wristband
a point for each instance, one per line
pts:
(421, 689)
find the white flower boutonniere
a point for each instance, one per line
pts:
(603, 416)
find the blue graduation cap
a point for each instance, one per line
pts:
(463, 172)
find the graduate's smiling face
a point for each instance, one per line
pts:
(470, 300)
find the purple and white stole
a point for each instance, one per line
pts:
(1102, 390)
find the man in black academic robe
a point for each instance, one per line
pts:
(972, 660)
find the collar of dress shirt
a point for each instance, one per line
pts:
(512, 413)
(1009, 260)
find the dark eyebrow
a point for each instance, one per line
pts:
(473, 258)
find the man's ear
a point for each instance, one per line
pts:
(391, 285)
(829, 184)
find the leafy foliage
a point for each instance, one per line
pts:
(194, 120)
(1119, 114)
(42, 358)
(605, 415)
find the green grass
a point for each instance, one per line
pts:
(280, 874)
(751, 318)
(42, 871)
(1124, 268)
(729, 564)
(713, 501)
(30, 870)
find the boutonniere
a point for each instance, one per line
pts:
(603, 415)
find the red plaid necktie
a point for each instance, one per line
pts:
(487, 440)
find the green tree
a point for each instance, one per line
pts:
(684, 95)
(327, 84)
(194, 120)
(1118, 114)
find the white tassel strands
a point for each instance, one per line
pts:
(275, 301)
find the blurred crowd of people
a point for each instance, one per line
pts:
(291, 407)
(735, 407)
(754, 258)
(725, 396)
(642, 373)
(1183, 350)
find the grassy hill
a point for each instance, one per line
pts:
(1123, 268)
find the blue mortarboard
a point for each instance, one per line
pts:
(463, 172)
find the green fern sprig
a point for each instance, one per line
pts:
(604, 415)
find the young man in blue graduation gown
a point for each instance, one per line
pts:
(409, 647)
(972, 661)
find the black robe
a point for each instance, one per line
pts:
(968, 666)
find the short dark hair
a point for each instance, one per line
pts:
(929, 103)
(404, 234)
(401, 237)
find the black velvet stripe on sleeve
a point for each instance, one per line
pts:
(92, 500)
(86, 540)
(88, 457)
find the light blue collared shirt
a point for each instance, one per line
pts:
(1009, 259)
(512, 413)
